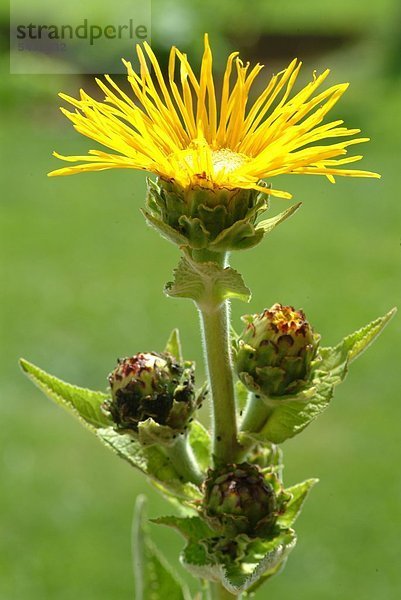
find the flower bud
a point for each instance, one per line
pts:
(275, 352)
(152, 386)
(239, 499)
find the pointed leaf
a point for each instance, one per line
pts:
(191, 528)
(82, 403)
(353, 345)
(154, 577)
(292, 414)
(151, 460)
(165, 230)
(241, 236)
(290, 417)
(268, 225)
(298, 492)
(173, 345)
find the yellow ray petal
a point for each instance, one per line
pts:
(176, 127)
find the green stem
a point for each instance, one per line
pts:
(217, 349)
(254, 419)
(256, 414)
(184, 461)
(137, 546)
(219, 592)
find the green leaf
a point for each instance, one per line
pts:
(151, 460)
(206, 282)
(263, 558)
(86, 406)
(298, 493)
(240, 236)
(353, 345)
(82, 403)
(291, 414)
(165, 230)
(173, 345)
(269, 224)
(154, 577)
(195, 232)
(195, 557)
(191, 528)
(199, 440)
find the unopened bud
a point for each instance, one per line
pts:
(239, 499)
(152, 386)
(275, 352)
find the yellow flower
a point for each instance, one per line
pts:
(177, 128)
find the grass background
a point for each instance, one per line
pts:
(82, 280)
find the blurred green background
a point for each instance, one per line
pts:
(82, 280)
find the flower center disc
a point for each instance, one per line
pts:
(227, 160)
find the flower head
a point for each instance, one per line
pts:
(177, 128)
(152, 386)
(240, 499)
(276, 350)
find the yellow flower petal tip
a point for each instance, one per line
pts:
(175, 126)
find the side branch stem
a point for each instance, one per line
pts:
(255, 418)
(183, 460)
(256, 414)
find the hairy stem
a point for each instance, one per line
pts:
(184, 461)
(256, 414)
(254, 419)
(216, 342)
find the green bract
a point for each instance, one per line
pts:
(275, 353)
(218, 219)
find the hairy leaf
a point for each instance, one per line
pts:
(191, 528)
(353, 345)
(151, 460)
(206, 282)
(292, 414)
(268, 225)
(299, 493)
(81, 402)
(165, 230)
(173, 345)
(263, 558)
